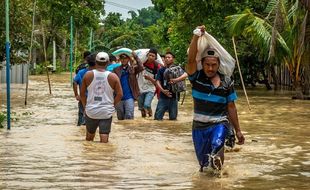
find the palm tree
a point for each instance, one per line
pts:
(280, 35)
(306, 56)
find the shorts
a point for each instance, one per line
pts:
(208, 141)
(103, 124)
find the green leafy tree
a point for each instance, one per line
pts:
(280, 35)
(20, 29)
(134, 33)
(181, 17)
(54, 17)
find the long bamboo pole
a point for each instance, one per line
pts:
(75, 48)
(241, 78)
(71, 48)
(30, 50)
(7, 53)
(45, 60)
(90, 39)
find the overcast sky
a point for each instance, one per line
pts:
(123, 6)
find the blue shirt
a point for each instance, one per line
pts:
(79, 76)
(113, 66)
(127, 94)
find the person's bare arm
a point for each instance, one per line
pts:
(166, 92)
(139, 67)
(191, 66)
(75, 90)
(180, 78)
(147, 77)
(85, 83)
(116, 86)
(233, 117)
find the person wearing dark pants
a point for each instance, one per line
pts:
(168, 100)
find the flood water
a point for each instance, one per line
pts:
(46, 150)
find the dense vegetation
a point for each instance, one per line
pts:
(268, 33)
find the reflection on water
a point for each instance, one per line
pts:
(45, 148)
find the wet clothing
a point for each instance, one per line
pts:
(127, 94)
(166, 103)
(164, 83)
(81, 118)
(210, 114)
(131, 92)
(147, 88)
(78, 79)
(125, 109)
(133, 71)
(145, 100)
(103, 124)
(210, 103)
(100, 99)
(150, 69)
(80, 67)
(208, 141)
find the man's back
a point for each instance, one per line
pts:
(100, 99)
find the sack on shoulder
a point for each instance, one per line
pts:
(172, 73)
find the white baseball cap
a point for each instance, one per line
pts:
(102, 57)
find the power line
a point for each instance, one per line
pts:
(121, 6)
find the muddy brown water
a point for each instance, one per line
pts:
(46, 150)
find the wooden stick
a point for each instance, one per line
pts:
(45, 59)
(30, 50)
(241, 78)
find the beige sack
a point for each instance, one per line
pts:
(227, 64)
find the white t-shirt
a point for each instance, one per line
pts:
(144, 84)
(100, 98)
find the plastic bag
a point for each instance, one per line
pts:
(120, 51)
(227, 64)
(142, 54)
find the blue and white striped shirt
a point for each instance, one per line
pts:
(210, 103)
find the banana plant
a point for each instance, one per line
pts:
(280, 35)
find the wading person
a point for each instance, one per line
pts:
(77, 83)
(127, 74)
(168, 97)
(214, 106)
(147, 83)
(103, 93)
(84, 64)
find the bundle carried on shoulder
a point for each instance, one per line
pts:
(120, 51)
(142, 54)
(227, 62)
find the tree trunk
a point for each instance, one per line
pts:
(265, 81)
(306, 81)
(305, 63)
(305, 75)
(274, 77)
(306, 58)
(298, 89)
(63, 54)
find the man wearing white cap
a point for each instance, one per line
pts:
(104, 91)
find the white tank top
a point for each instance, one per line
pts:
(100, 98)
